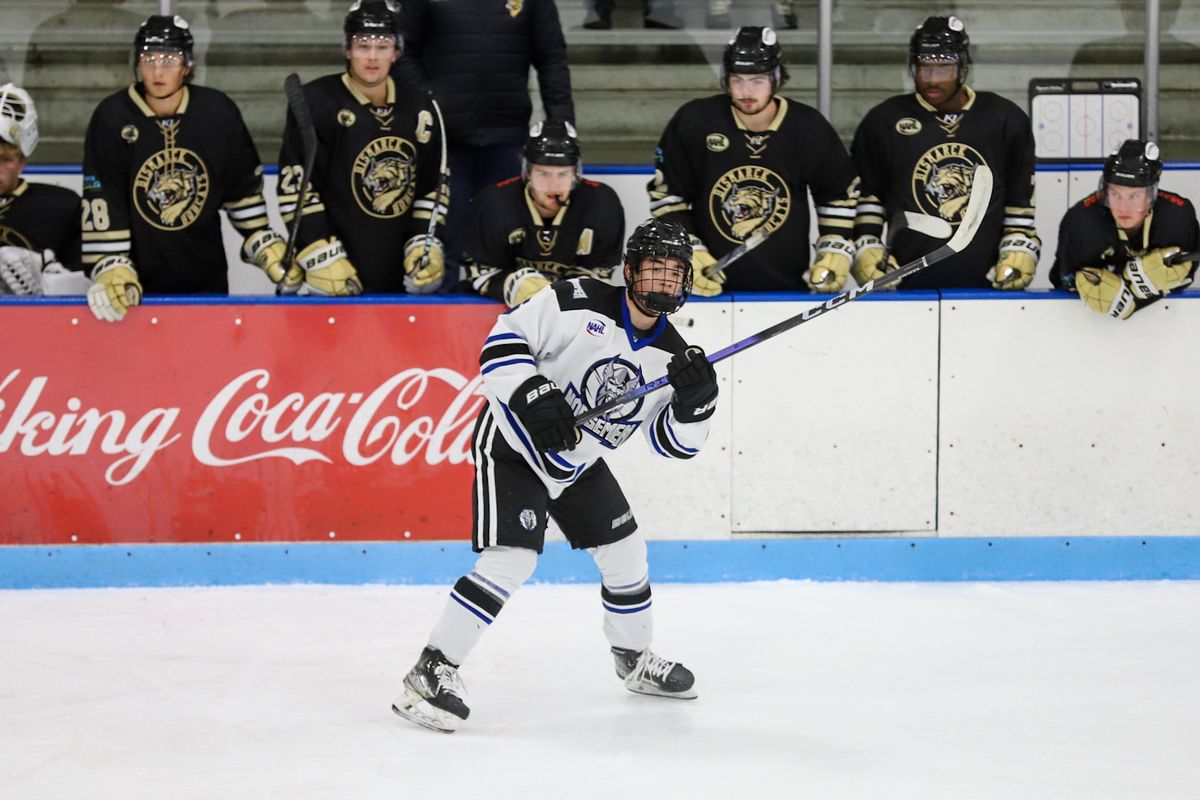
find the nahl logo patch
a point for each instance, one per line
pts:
(596, 328)
(908, 126)
(716, 142)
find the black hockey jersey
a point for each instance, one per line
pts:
(1089, 237)
(722, 182)
(580, 336)
(506, 233)
(39, 216)
(911, 157)
(153, 187)
(375, 178)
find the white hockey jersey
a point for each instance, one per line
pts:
(578, 334)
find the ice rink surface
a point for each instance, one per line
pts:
(807, 690)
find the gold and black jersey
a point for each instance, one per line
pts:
(375, 178)
(1089, 237)
(722, 182)
(506, 233)
(911, 157)
(37, 217)
(153, 188)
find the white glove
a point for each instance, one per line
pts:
(21, 270)
(523, 284)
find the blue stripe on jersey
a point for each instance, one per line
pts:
(508, 363)
(645, 341)
(501, 336)
(674, 438)
(626, 609)
(567, 465)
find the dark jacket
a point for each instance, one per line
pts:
(475, 55)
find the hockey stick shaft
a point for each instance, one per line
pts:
(752, 241)
(298, 106)
(443, 188)
(981, 190)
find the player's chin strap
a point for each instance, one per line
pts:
(981, 192)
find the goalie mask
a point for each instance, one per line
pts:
(373, 18)
(940, 40)
(18, 119)
(163, 34)
(753, 50)
(658, 287)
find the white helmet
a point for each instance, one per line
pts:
(18, 119)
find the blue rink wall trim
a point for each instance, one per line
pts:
(1088, 558)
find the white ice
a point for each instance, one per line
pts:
(847, 690)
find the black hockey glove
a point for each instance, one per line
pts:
(544, 412)
(695, 383)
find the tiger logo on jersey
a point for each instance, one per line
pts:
(171, 188)
(941, 181)
(604, 381)
(383, 178)
(747, 198)
(13, 238)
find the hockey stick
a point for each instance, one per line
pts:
(298, 106)
(441, 196)
(981, 192)
(752, 241)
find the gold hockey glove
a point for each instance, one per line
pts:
(829, 270)
(1151, 276)
(1017, 263)
(114, 288)
(327, 271)
(703, 284)
(424, 264)
(265, 249)
(1104, 292)
(871, 261)
(522, 285)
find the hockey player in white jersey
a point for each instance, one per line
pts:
(564, 351)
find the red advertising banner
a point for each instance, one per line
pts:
(272, 422)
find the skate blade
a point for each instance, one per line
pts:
(417, 710)
(653, 691)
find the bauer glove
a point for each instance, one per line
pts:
(424, 264)
(694, 380)
(1152, 274)
(523, 284)
(114, 288)
(828, 272)
(1104, 292)
(327, 271)
(872, 262)
(544, 412)
(265, 249)
(1017, 263)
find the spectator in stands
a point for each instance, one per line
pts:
(548, 224)
(1129, 243)
(917, 153)
(742, 164)
(39, 223)
(475, 56)
(659, 14)
(720, 17)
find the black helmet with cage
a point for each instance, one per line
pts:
(376, 18)
(657, 242)
(940, 40)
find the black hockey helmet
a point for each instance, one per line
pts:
(1134, 163)
(553, 143)
(659, 240)
(753, 50)
(940, 40)
(372, 18)
(164, 34)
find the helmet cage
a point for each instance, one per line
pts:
(657, 241)
(372, 18)
(18, 119)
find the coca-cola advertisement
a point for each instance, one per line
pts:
(254, 422)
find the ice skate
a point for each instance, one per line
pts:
(434, 694)
(647, 673)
